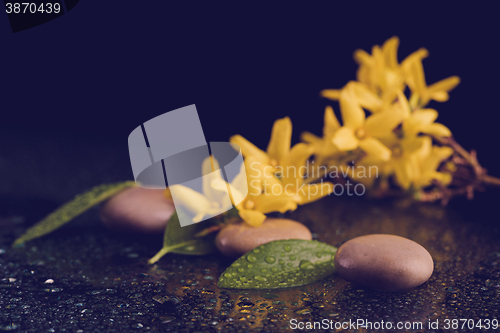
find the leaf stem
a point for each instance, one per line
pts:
(167, 249)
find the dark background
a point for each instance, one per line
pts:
(74, 88)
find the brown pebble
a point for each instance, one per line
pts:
(384, 262)
(239, 238)
(137, 210)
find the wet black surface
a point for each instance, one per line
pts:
(101, 280)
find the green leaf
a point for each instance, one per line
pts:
(280, 264)
(72, 209)
(182, 240)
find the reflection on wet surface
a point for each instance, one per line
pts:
(102, 281)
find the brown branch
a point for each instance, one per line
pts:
(466, 182)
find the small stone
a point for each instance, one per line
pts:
(138, 210)
(239, 238)
(384, 262)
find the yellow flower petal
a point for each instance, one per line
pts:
(281, 138)
(278, 200)
(295, 164)
(345, 139)
(411, 145)
(435, 158)
(249, 149)
(412, 67)
(211, 171)
(353, 115)
(331, 123)
(383, 123)
(418, 55)
(192, 200)
(375, 148)
(310, 138)
(257, 174)
(404, 172)
(363, 58)
(437, 130)
(333, 94)
(390, 51)
(403, 105)
(447, 84)
(366, 98)
(252, 217)
(418, 77)
(439, 96)
(418, 120)
(425, 116)
(379, 66)
(363, 75)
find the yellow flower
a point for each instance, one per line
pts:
(420, 120)
(213, 201)
(259, 202)
(278, 147)
(380, 76)
(323, 147)
(414, 162)
(276, 177)
(415, 78)
(362, 132)
(429, 158)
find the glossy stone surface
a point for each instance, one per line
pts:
(239, 238)
(384, 262)
(137, 210)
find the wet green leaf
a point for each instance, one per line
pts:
(280, 264)
(182, 240)
(72, 209)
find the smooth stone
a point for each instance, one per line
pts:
(384, 262)
(137, 209)
(239, 238)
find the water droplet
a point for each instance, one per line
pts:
(249, 265)
(241, 270)
(251, 258)
(292, 257)
(287, 248)
(256, 251)
(281, 261)
(245, 304)
(303, 311)
(228, 274)
(269, 296)
(263, 270)
(260, 278)
(270, 260)
(306, 265)
(167, 319)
